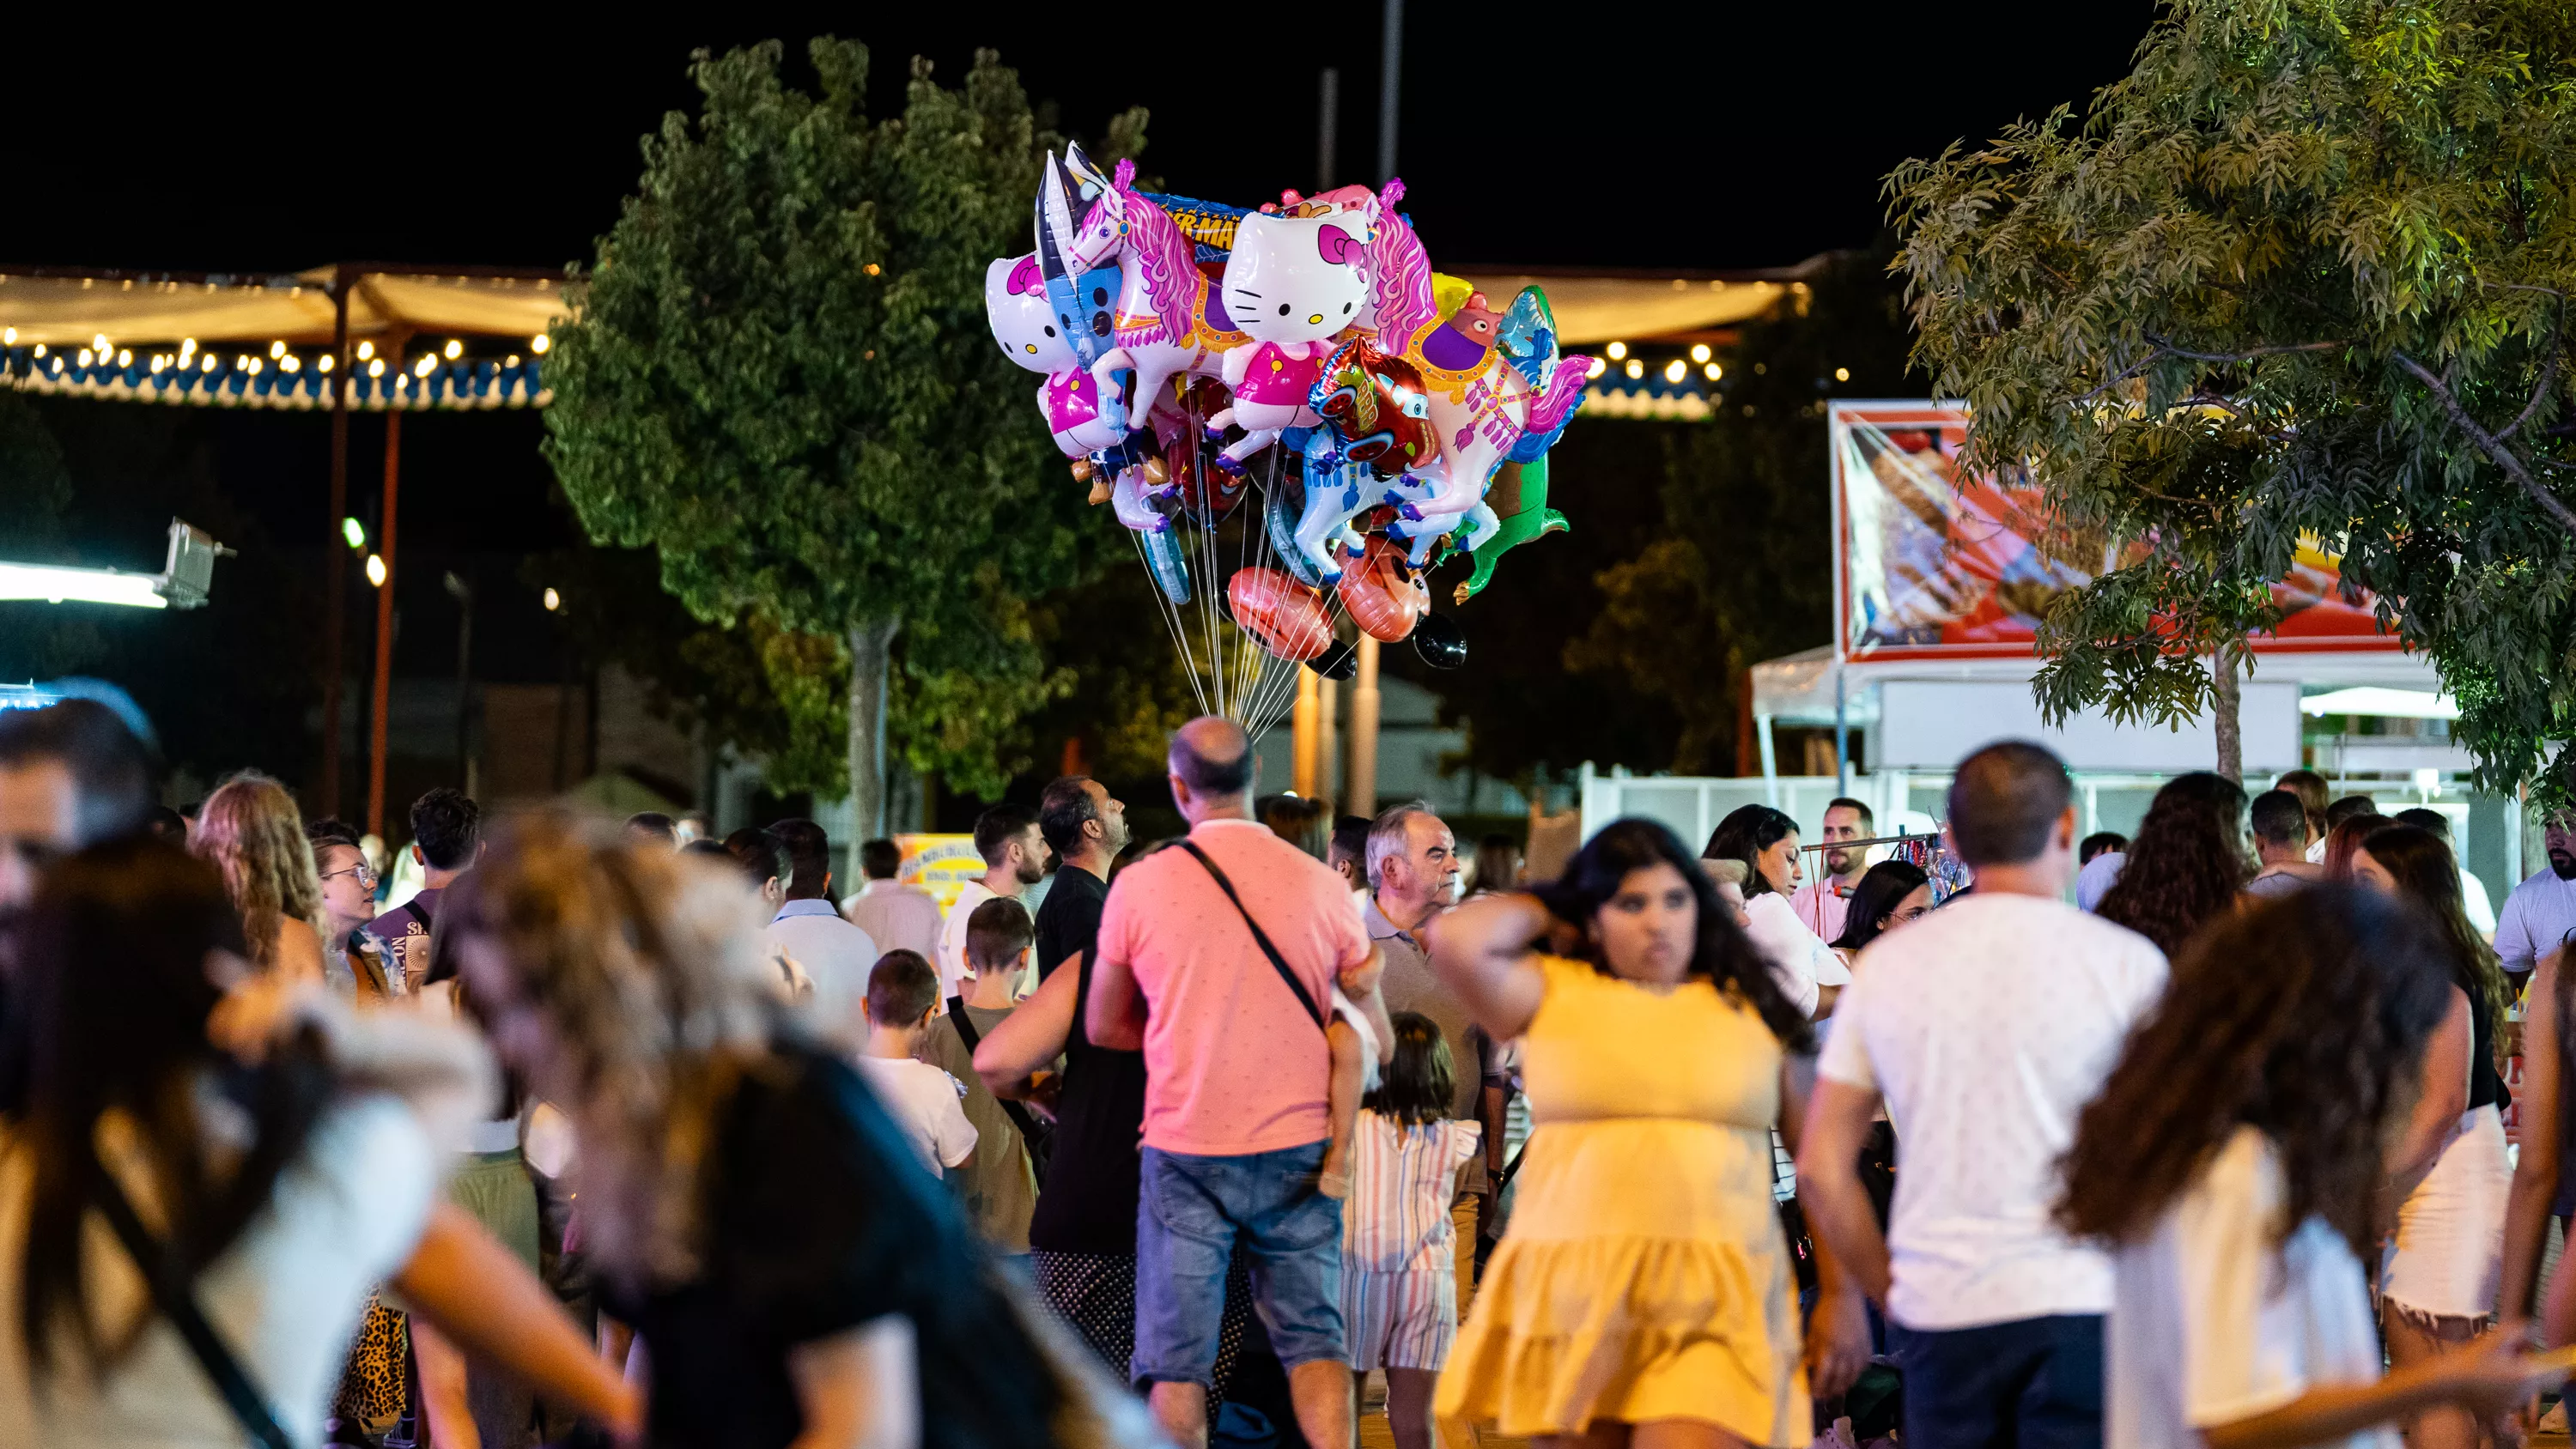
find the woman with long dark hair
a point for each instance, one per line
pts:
(1766, 842)
(1643, 1278)
(2234, 1156)
(2441, 1274)
(1892, 893)
(2187, 863)
(278, 1156)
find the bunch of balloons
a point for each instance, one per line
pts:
(1392, 416)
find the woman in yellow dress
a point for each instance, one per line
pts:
(1643, 1294)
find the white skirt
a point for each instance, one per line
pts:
(2447, 1258)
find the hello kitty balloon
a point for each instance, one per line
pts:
(1294, 281)
(1025, 323)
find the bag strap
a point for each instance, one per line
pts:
(1018, 1113)
(1260, 937)
(177, 1301)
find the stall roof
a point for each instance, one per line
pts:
(69, 306)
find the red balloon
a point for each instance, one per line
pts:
(1385, 598)
(1282, 615)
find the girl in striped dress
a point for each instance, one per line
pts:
(1399, 1251)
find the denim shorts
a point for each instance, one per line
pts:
(1190, 1214)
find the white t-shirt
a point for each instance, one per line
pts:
(2217, 1324)
(928, 1104)
(1986, 1026)
(1800, 960)
(284, 1297)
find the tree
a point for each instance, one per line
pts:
(2305, 271)
(779, 376)
(1742, 568)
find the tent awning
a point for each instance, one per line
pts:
(65, 307)
(1592, 307)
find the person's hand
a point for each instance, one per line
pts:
(2499, 1374)
(1362, 979)
(260, 1009)
(1837, 1344)
(1044, 1091)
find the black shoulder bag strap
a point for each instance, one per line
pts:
(1260, 937)
(1030, 1132)
(177, 1301)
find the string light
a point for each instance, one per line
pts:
(159, 363)
(323, 362)
(354, 531)
(251, 366)
(1597, 368)
(276, 350)
(84, 357)
(376, 368)
(292, 363)
(455, 349)
(1713, 372)
(554, 601)
(510, 361)
(208, 363)
(1673, 370)
(422, 367)
(40, 349)
(1842, 374)
(366, 350)
(187, 347)
(98, 344)
(8, 336)
(1699, 352)
(1617, 350)
(539, 343)
(1635, 369)
(376, 569)
(125, 357)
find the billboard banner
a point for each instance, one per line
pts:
(1936, 562)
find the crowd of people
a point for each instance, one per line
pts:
(628, 1132)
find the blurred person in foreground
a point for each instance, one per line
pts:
(279, 1153)
(250, 830)
(71, 774)
(2234, 1162)
(793, 1274)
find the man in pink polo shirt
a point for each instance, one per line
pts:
(1198, 945)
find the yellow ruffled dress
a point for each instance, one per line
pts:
(1644, 1275)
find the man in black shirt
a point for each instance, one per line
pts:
(1086, 828)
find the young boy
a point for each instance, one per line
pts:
(1000, 1186)
(922, 1099)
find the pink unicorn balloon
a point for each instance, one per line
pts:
(1170, 321)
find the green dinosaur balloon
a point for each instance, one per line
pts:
(1519, 499)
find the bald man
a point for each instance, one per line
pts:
(1218, 957)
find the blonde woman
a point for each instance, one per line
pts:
(790, 1272)
(251, 832)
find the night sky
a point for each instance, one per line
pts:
(1683, 135)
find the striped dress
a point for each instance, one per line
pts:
(1399, 1247)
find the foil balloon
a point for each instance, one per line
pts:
(1439, 642)
(1292, 282)
(1025, 323)
(1282, 615)
(1519, 502)
(1337, 663)
(1384, 597)
(1169, 318)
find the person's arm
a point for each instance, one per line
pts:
(1029, 1040)
(953, 1135)
(859, 1389)
(1837, 1346)
(1360, 984)
(2444, 1096)
(1833, 1128)
(2535, 1169)
(1481, 949)
(1114, 1015)
(486, 1302)
(2491, 1376)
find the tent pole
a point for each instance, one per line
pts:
(335, 565)
(384, 625)
(1842, 739)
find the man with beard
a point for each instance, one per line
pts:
(2542, 910)
(1006, 836)
(1086, 827)
(1822, 902)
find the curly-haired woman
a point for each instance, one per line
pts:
(1642, 1291)
(2187, 864)
(251, 832)
(791, 1272)
(2235, 1157)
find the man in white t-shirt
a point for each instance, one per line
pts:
(2541, 912)
(1985, 1027)
(1006, 836)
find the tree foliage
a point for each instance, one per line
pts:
(2305, 271)
(779, 377)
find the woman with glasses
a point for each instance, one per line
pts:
(351, 965)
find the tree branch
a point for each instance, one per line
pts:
(2245, 356)
(2489, 444)
(2548, 376)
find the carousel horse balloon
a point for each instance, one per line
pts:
(1169, 318)
(1292, 282)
